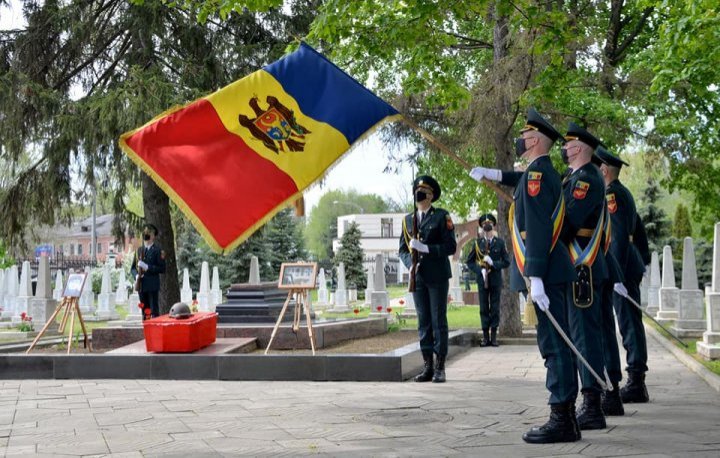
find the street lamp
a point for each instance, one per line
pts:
(345, 202)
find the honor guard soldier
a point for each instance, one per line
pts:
(628, 243)
(583, 230)
(427, 240)
(148, 264)
(487, 257)
(535, 222)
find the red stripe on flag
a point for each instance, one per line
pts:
(220, 178)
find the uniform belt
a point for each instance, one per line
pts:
(584, 233)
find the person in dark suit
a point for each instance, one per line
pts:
(149, 263)
(487, 257)
(430, 233)
(542, 257)
(629, 246)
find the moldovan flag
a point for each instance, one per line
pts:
(235, 158)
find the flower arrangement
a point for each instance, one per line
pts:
(26, 325)
(356, 310)
(402, 301)
(194, 306)
(379, 308)
(389, 309)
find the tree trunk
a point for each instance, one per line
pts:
(157, 212)
(510, 324)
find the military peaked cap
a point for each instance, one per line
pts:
(576, 132)
(487, 217)
(606, 157)
(536, 122)
(427, 180)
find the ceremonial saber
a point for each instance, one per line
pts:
(632, 301)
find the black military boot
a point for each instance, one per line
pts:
(439, 375)
(493, 337)
(561, 427)
(427, 374)
(590, 414)
(486, 338)
(611, 403)
(635, 389)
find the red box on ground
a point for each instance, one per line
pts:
(168, 335)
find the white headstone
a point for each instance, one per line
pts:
(379, 298)
(341, 294)
(3, 288)
(203, 296)
(106, 298)
(455, 289)
(669, 294)
(709, 348)
(254, 278)
(58, 291)
(121, 294)
(43, 305)
(87, 297)
(215, 292)
(370, 284)
(323, 296)
(409, 304)
(186, 291)
(22, 303)
(644, 286)
(654, 288)
(690, 321)
(11, 280)
(133, 307)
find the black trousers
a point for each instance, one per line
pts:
(585, 326)
(431, 308)
(489, 306)
(150, 300)
(610, 344)
(631, 328)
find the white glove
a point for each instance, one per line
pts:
(620, 289)
(537, 294)
(478, 173)
(416, 244)
(142, 265)
(488, 259)
(484, 274)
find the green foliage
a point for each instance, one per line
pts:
(285, 239)
(681, 224)
(655, 220)
(351, 254)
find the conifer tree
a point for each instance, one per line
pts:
(351, 254)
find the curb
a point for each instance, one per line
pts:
(695, 366)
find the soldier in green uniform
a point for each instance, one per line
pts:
(487, 257)
(430, 233)
(536, 218)
(149, 263)
(583, 230)
(629, 246)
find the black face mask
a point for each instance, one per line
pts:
(487, 227)
(420, 196)
(146, 237)
(520, 146)
(564, 155)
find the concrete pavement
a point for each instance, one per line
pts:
(492, 397)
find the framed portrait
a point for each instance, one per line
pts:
(74, 285)
(297, 275)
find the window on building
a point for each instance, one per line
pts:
(386, 228)
(79, 249)
(72, 249)
(99, 248)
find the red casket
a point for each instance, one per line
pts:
(168, 335)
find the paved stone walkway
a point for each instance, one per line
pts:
(492, 397)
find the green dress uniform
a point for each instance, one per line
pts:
(154, 257)
(436, 230)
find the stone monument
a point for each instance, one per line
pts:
(409, 303)
(379, 298)
(254, 277)
(59, 285)
(323, 296)
(370, 285)
(203, 295)
(186, 292)
(215, 292)
(690, 321)
(43, 305)
(11, 278)
(709, 348)
(121, 295)
(455, 289)
(341, 294)
(22, 303)
(87, 297)
(669, 293)
(3, 288)
(106, 298)
(653, 302)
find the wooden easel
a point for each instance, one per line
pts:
(301, 302)
(70, 307)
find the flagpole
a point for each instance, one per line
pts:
(439, 145)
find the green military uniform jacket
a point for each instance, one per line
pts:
(437, 231)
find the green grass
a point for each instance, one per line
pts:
(691, 349)
(458, 317)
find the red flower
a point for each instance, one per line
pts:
(141, 306)
(379, 308)
(389, 309)
(356, 311)
(23, 315)
(147, 311)
(402, 301)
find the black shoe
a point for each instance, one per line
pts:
(635, 389)
(590, 414)
(611, 403)
(561, 427)
(439, 375)
(427, 374)
(493, 337)
(485, 341)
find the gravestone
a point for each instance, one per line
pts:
(11, 280)
(456, 297)
(215, 292)
(43, 305)
(709, 348)
(22, 303)
(58, 291)
(134, 313)
(644, 286)
(341, 294)
(254, 277)
(690, 321)
(352, 295)
(669, 293)
(379, 298)
(323, 296)
(186, 291)
(409, 303)
(370, 285)
(203, 295)
(87, 297)
(3, 289)
(106, 298)
(653, 304)
(121, 295)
